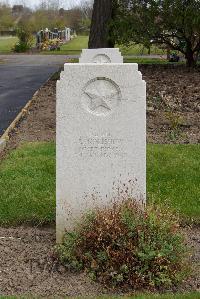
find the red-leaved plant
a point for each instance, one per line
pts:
(128, 246)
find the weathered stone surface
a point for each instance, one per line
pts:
(101, 138)
(104, 55)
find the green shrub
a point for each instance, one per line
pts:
(25, 37)
(21, 47)
(127, 246)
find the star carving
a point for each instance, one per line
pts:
(100, 101)
(101, 59)
(102, 95)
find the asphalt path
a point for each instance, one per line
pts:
(20, 77)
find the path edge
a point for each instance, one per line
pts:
(5, 137)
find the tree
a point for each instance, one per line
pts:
(86, 7)
(24, 34)
(6, 19)
(174, 23)
(100, 35)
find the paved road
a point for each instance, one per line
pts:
(20, 77)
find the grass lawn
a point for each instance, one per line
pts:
(145, 60)
(6, 44)
(27, 182)
(173, 177)
(75, 46)
(27, 185)
(141, 50)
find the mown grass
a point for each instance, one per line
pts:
(75, 46)
(145, 60)
(141, 60)
(137, 49)
(27, 185)
(173, 178)
(27, 182)
(6, 44)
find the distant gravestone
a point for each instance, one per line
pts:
(101, 138)
(104, 55)
(67, 34)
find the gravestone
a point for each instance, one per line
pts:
(67, 34)
(104, 55)
(101, 138)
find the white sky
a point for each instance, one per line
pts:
(34, 3)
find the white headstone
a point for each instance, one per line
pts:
(101, 138)
(104, 55)
(67, 34)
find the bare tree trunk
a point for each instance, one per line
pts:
(190, 59)
(99, 32)
(189, 56)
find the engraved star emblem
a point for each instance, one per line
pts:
(97, 101)
(102, 95)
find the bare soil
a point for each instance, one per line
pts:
(173, 109)
(27, 265)
(173, 105)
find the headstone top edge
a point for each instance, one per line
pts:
(100, 64)
(100, 49)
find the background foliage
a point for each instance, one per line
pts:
(173, 23)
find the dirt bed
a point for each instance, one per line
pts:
(173, 105)
(28, 266)
(173, 109)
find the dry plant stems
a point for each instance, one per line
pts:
(175, 122)
(128, 246)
